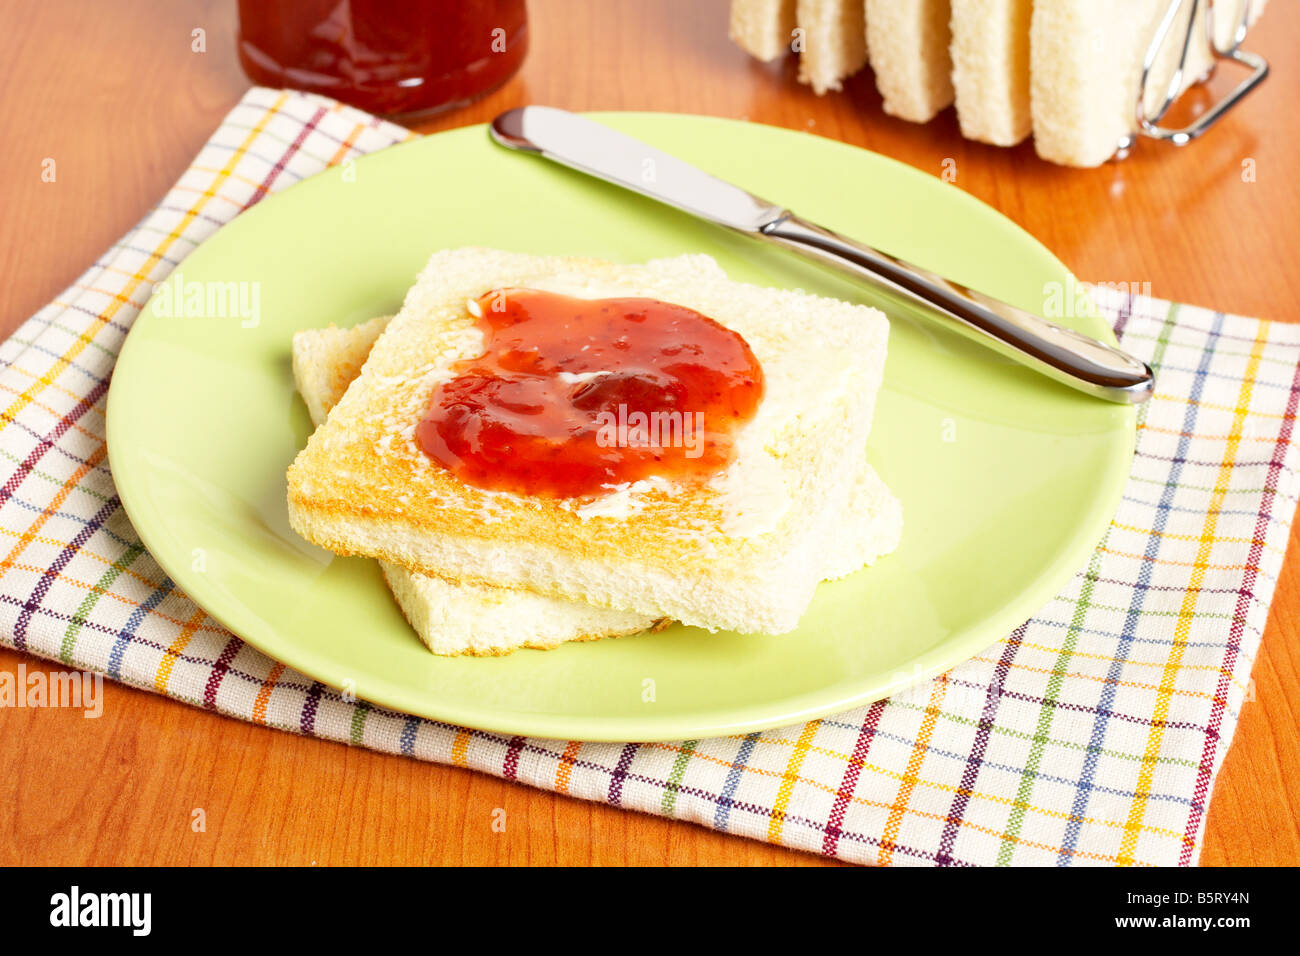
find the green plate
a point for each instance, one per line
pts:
(1007, 480)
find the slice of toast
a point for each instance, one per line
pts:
(326, 361)
(833, 42)
(908, 41)
(451, 619)
(1085, 73)
(990, 69)
(478, 619)
(743, 551)
(763, 28)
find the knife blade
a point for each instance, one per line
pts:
(589, 147)
(1060, 353)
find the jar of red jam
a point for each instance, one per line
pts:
(385, 56)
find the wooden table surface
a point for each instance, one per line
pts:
(114, 94)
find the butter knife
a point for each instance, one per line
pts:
(597, 150)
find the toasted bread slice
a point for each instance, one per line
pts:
(763, 28)
(833, 42)
(908, 42)
(454, 619)
(990, 69)
(743, 551)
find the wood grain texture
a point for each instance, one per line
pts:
(114, 94)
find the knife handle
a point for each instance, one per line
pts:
(1063, 354)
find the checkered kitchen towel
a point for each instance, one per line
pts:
(1090, 735)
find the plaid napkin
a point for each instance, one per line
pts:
(1090, 735)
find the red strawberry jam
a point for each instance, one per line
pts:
(573, 396)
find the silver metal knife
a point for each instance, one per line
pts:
(589, 147)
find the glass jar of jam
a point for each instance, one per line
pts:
(385, 56)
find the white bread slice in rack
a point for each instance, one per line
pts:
(1227, 14)
(1085, 73)
(908, 41)
(742, 552)
(478, 619)
(990, 69)
(763, 28)
(1200, 59)
(834, 42)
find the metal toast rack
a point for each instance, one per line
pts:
(1148, 121)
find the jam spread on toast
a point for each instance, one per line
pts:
(573, 396)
